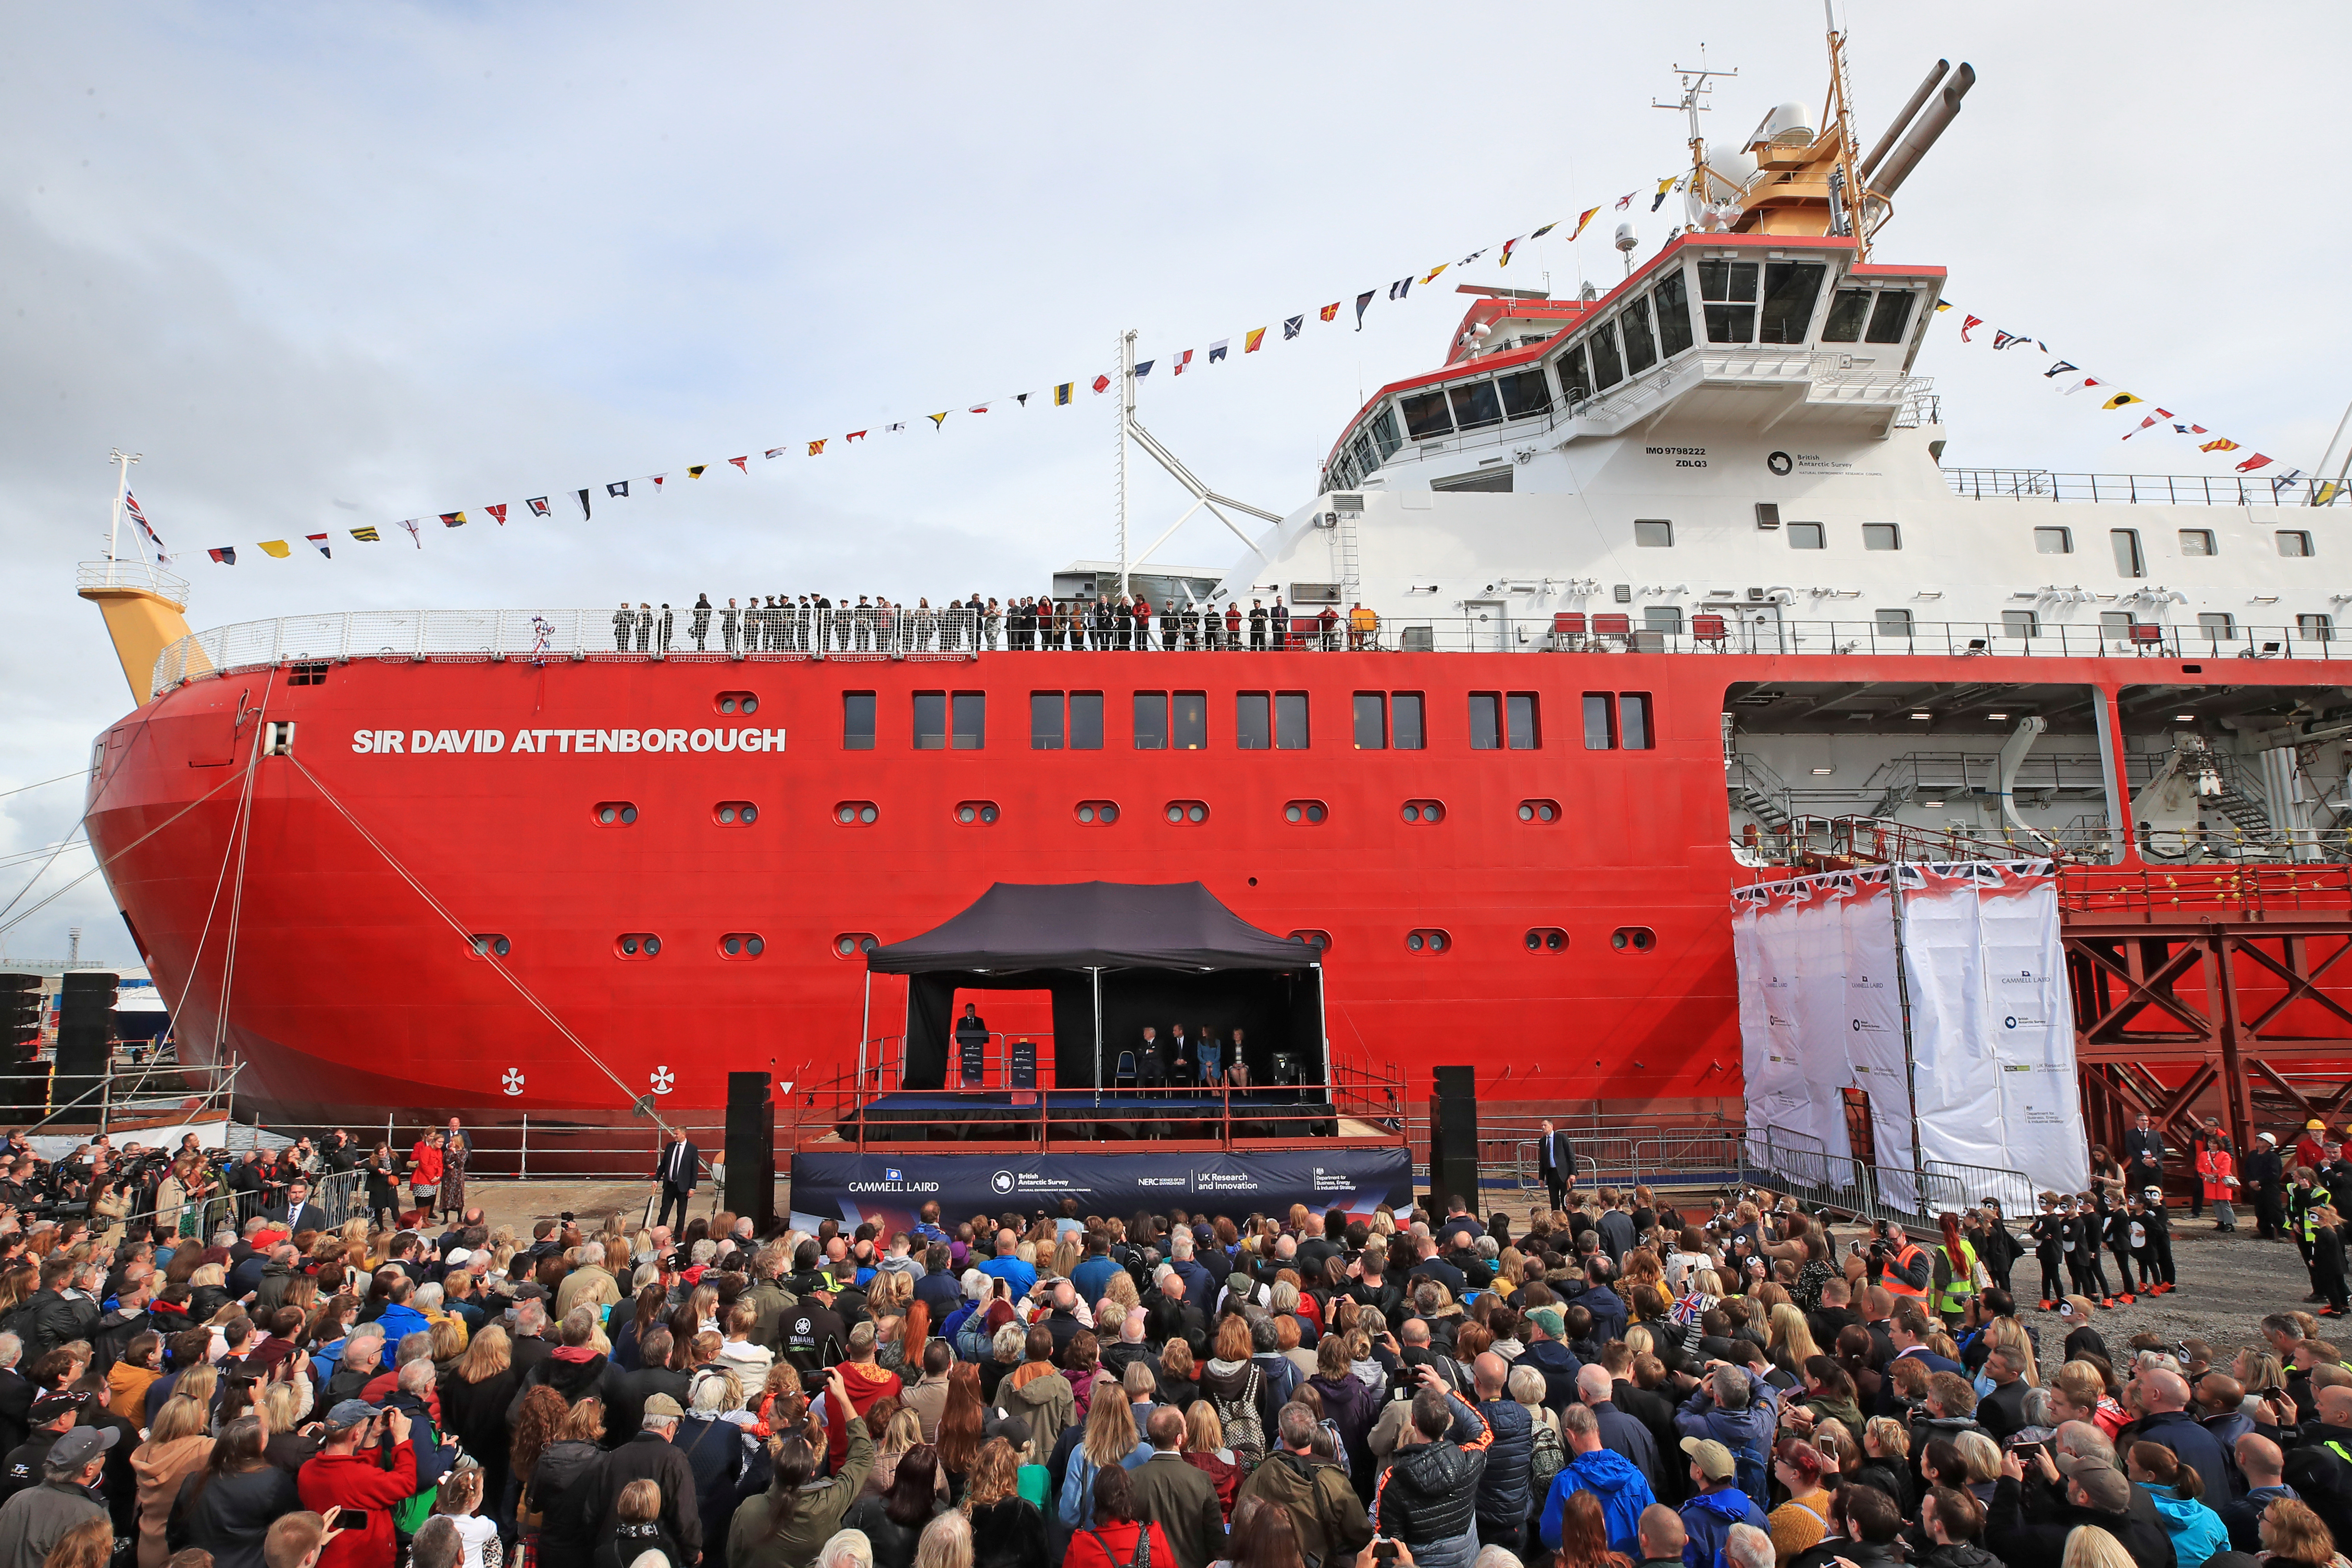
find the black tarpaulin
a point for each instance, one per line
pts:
(1092, 925)
(1166, 953)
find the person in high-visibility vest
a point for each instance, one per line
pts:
(1956, 1271)
(1900, 1265)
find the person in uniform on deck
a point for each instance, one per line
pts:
(701, 621)
(623, 619)
(667, 623)
(728, 621)
(1258, 625)
(645, 626)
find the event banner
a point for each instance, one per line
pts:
(891, 1189)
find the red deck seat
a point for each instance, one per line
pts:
(1708, 629)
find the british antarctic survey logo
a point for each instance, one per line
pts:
(1002, 1181)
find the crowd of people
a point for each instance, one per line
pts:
(1730, 1384)
(814, 623)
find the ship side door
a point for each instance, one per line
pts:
(1759, 625)
(1488, 626)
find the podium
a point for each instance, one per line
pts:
(973, 1052)
(1025, 1064)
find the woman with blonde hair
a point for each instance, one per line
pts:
(903, 1431)
(1205, 1451)
(177, 1447)
(1109, 1443)
(2293, 1536)
(950, 1541)
(2008, 1334)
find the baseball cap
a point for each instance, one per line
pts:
(1553, 1323)
(1014, 1429)
(83, 1444)
(1715, 1461)
(663, 1404)
(49, 1407)
(350, 1413)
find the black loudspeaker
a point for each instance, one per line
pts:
(85, 1031)
(24, 1079)
(752, 1146)
(1025, 1064)
(1454, 1137)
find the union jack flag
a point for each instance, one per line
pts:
(131, 505)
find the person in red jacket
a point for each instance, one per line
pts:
(2217, 1162)
(1112, 1541)
(865, 1382)
(350, 1474)
(425, 1173)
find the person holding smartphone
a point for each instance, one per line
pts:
(347, 1476)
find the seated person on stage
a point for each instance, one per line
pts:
(1213, 1059)
(1237, 1074)
(1180, 1058)
(971, 1035)
(1152, 1060)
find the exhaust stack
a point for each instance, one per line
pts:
(1894, 126)
(1890, 174)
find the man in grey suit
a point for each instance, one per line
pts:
(1182, 1501)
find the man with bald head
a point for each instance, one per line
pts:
(1007, 1266)
(1620, 1433)
(2264, 1469)
(1505, 1494)
(2167, 1421)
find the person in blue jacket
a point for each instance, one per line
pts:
(2178, 1493)
(1716, 1502)
(1612, 1479)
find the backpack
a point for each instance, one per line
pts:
(1547, 1456)
(1244, 1433)
(1755, 1476)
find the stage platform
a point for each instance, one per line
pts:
(1082, 1115)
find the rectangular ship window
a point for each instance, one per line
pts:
(1600, 721)
(970, 712)
(1044, 721)
(1253, 722)
(1189, 717)
(1520, 721)
(1633, 721)
(1151, 721)
(1086, 720)
(1485, 720)
(1290, 720)
(930, 720)
(1371, 722)
(858, 720)
(1405, 730)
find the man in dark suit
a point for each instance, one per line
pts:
(298, 1213)
(1152, 1060)
(1557, 1158)
(2143, 1156)
(971, 1046)
(678, 1172)
(1171, 1492)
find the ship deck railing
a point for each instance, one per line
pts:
(2214, 856)
(2146, 489)
(574, 636)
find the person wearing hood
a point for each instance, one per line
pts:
(1716, 1503)
(1954, 1525)
(1035, 1390)
(1621, 1490)
(863, 1383)
(1242, 1398)
(2177, 1492)
(1330, 1520)
(1427, 1498)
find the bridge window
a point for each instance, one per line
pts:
(1890, 316)
(2199, 541)
(1726, 292)
(1849, 308)
(1790, 289)
(1290, 720)
(1641, 348)
(1405, 732)
(1525, 393)
(1425, 416)
(2054, 542)
(1575, 382)
(1806, 536)
(1881, 536)
(1382, 429)
(1673, 298)
(1476, 406)
(1634, 731)
(1187, 716)
(2293, 542)
(1608, 370)
(1371, 714)
(1600, 721)
(1151, 721)
(1046, 722)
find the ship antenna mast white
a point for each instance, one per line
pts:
(1845, 196)
(123, 461)
(1696, 84)
(1126, 420)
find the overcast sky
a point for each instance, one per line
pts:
(326, 266)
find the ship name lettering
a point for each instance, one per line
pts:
(1674, 451)
(538, 742)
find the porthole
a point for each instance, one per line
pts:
(639, 944)
(1547, 939)
(1427, 939)
(1320, 940)
(850, 944)
(739, 702)
(1633, 938)
(981, 812)
(486, 943)
(856, 813)
(1187, 811)
(741, 944)
(1539, 811)
(1304, 812)
(616, 813)
(1424, 811)
(736, 812)
(1098, 811)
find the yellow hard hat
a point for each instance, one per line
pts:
(2314, 1125)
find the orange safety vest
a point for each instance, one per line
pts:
(1899, 1286)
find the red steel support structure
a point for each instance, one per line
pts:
(2211, 989)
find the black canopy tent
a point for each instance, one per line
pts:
(1115, 956)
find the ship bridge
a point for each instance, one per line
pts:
(1770, 332)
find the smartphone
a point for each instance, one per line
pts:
(2027, 1453)
(1384, 1550)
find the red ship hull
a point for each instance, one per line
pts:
(349, 996)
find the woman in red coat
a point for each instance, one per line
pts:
(1117, 1540)
(425, 1173)
(2217, 1164)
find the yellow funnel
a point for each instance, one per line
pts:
(143, 605)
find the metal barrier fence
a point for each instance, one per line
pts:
(574, 1151)
(340, 1197)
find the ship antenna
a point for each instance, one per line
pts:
(1696, 84)
(123, 461)
(1845, 184)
